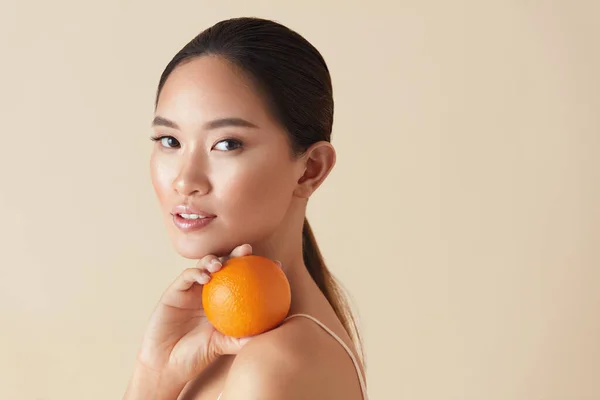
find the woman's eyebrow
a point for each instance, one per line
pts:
(215, 124)
(161, 121)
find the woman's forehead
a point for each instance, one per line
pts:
(209, 88)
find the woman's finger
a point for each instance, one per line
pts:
(210, 263)
(241, 251)
(189, 277)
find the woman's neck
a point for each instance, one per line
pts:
(285, 246)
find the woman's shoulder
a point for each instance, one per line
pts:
(299, 359)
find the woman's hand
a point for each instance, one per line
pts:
(180, 341)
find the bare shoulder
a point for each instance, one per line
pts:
(298, 360)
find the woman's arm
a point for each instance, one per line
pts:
(146, 384)
(292, 362)
(274, 366)
(256, 375)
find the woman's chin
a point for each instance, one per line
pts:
(195, 249)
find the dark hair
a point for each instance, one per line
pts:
(295, 82)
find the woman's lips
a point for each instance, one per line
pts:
(190, 225)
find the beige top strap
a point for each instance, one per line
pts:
(361, 380)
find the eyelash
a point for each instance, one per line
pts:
(238, 143)
(159, 138)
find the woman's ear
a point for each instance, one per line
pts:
(317, 163)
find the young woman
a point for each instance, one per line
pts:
(242, 124)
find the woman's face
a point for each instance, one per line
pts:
(221, 155)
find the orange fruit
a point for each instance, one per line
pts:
(247, 296)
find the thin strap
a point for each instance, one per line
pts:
(363, 386)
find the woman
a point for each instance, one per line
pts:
(242, 125)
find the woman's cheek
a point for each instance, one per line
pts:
(162, 177)
(256, 198)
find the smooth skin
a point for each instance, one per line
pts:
(223, 153)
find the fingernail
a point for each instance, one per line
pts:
(214, 265)
(279, 263)
(203, 279)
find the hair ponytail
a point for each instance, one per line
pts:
(313, 259)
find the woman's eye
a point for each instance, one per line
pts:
(228, 145)
(167, 141)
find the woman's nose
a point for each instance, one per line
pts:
(192, 179)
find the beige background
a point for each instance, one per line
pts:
(463, 214)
